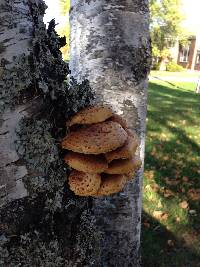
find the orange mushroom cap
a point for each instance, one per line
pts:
(96, 138)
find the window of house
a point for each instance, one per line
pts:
(184, 54)
(198, 57)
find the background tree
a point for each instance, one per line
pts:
(110, 47)
(64, 6)
(165, 26)
(65, 29)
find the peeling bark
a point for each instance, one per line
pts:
(11, 186)
(110, 47)
(41, 222)
(15, 36)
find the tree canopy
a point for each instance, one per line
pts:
(65, 29)
(64, 6)
(165, 25)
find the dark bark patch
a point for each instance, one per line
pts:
(32, 236)
(128, 5)
(130, 112)
(50, 227)
(2, 48)
(142, 61)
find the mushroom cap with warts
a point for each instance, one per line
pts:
(130, 176)
(86, 163)
(117, 118)
(84, 184)
(90, 115)
(122, 166)
(127, 151)
(96, 138)
(111, 184)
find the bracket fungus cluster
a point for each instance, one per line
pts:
(101, 152)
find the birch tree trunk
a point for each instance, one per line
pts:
(110, 47)
(41, 222)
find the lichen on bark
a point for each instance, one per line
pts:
(49, 224)
(110, 46)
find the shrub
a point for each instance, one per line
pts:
(174, 67)
(156, 66)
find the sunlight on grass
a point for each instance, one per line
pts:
(175, 74)
(171, 190)
(159, 199)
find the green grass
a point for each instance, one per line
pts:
(175, 74)
(171, 234)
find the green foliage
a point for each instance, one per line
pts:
(165, 26)
(156, 66)
(174, 67)
(64, 7)
(65, 30)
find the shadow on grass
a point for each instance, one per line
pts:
(172, 111)
(167, 82)
(160, 248)
(180, 155)
(173, 104)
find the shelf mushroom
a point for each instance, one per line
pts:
(111, 184)
(122, 166)
(86, 163)
(101, 152)
(96, 138)
(117, 118)
(127, 151)
(90, 115)
(84, 184)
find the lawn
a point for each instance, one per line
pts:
(187, 74)
(171, 191)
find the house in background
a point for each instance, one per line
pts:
(188, 56)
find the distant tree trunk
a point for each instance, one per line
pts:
(110, 47)
(198, 86)
(41, 222)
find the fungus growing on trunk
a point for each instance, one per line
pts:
(96, 138)
(117, 118)
(86, 163)
(102, 152)
(111, 184)
(121, 166)
(89, 115)
(127, 151)
(84, 184)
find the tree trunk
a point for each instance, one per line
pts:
(41, 222)
(110, 47)
(198, 86)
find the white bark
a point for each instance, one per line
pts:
(110, 47)
(41, 222)
(11, 184)
(15, 39)
(198, 86)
